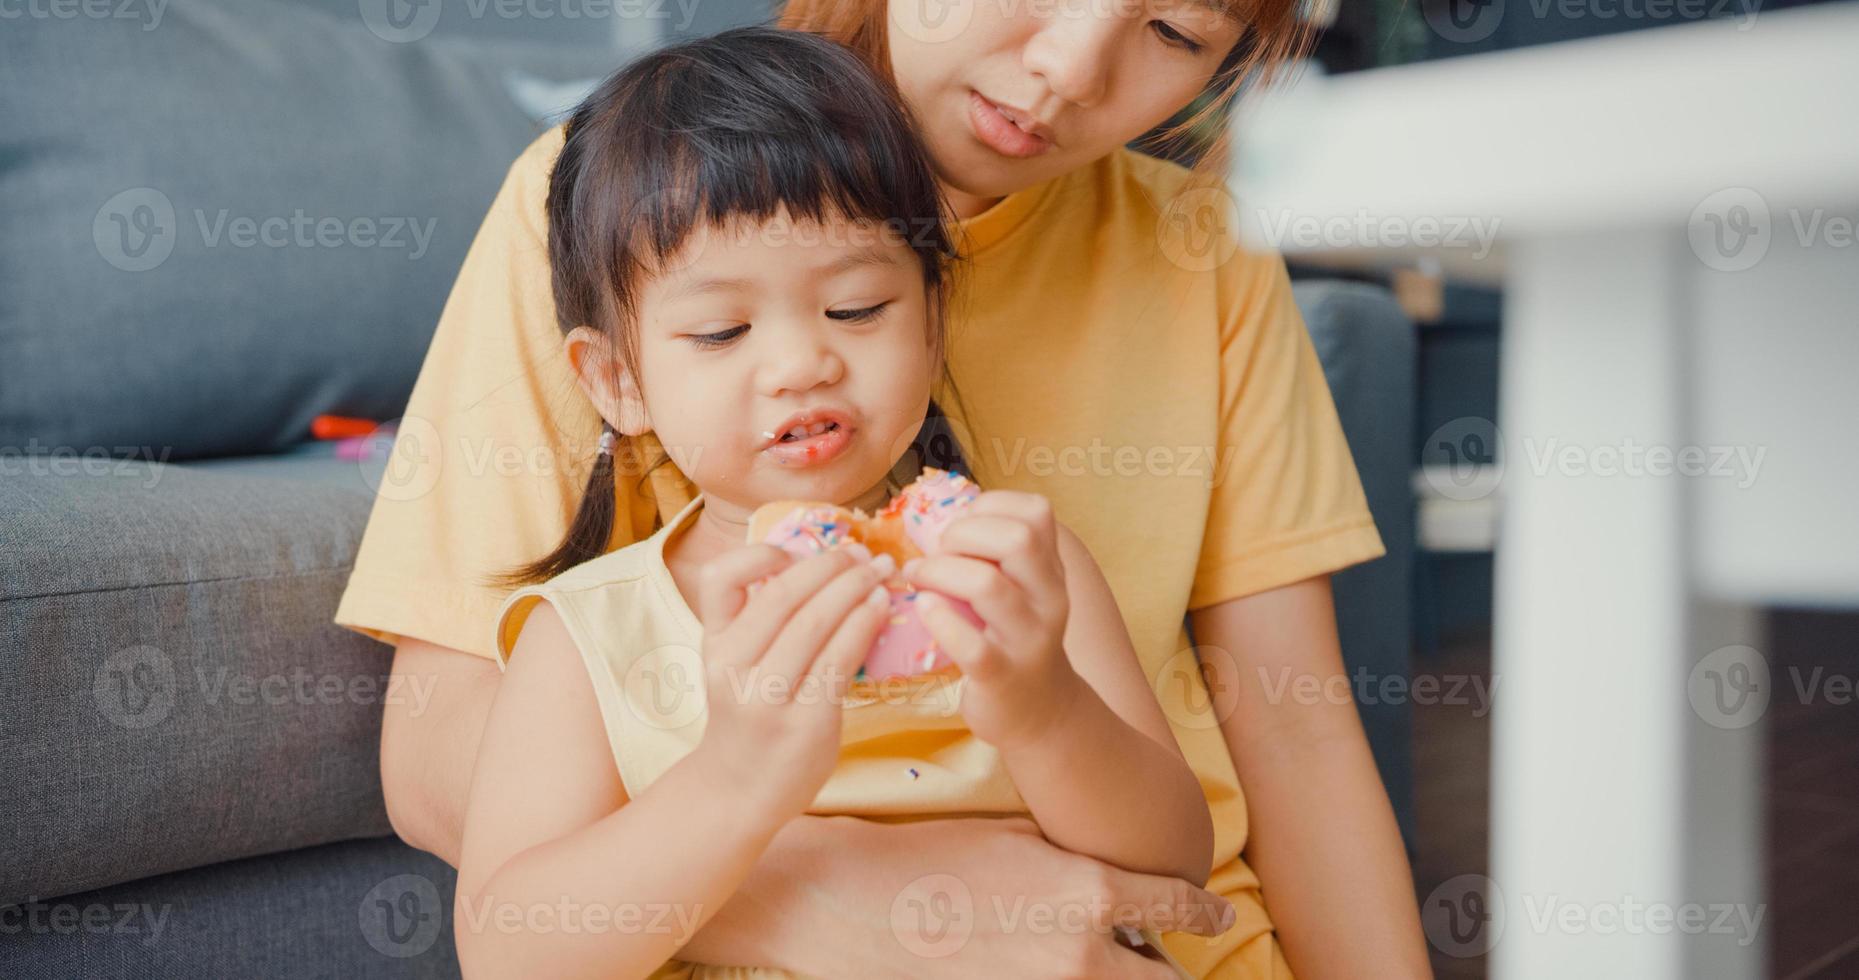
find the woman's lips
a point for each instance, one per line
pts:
(811, 450)
(999, 133)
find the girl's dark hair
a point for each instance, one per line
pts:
(731, 127)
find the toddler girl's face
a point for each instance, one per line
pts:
(786, 359)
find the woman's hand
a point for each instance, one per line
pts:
(1002, 557)
(777, 663)
(980, 896)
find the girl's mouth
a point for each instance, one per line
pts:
(808, 442)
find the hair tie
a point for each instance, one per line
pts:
(606, 442)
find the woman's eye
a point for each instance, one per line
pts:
(1170, 35)
(707, 341)
(864, 314)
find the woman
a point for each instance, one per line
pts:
(1091, 322)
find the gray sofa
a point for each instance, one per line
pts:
(187, 744)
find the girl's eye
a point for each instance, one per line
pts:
(862, 315)
(709, 341)
(1171, 36)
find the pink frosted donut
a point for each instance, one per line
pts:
(909, 526)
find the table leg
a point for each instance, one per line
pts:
(1593, 617)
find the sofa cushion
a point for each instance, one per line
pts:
(362, 909)
(172, 691)
(253, 204)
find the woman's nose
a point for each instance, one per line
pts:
(1071, 51)
(800, 361)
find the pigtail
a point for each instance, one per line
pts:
(591, 529)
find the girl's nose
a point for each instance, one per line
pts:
(800, 362)
(1071, 51)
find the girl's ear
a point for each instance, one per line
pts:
(612, 389)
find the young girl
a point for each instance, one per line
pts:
(748, 264)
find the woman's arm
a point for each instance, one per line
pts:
(559, 872)
(1322, 835)
(1107, 779)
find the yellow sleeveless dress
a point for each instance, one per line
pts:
(905, 754)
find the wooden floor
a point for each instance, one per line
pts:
(1812, 923)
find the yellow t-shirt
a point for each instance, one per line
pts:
(1161, 390)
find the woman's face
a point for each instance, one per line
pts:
(1010, 93)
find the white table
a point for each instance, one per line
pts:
(1648, 195)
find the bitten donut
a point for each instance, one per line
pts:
(910, 526)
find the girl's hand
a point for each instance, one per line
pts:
(777, 664)
(1002, 557)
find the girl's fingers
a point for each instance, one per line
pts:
(998, 600)
(807, 631)
(1026, 556)
(722, 586)
(766, 612)
(840, 659)
(957, 637)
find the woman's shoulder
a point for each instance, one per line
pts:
(1142, 204)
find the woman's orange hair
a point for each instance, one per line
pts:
(1274, 36)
